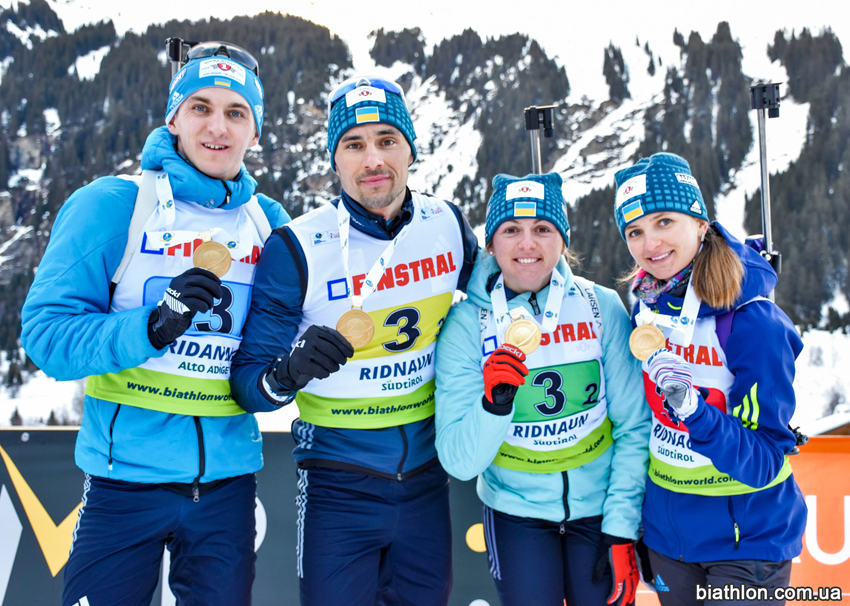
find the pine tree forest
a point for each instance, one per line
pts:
(703, 116)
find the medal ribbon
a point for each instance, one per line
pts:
(503, 317)
(684, 322)
(374, 276)
(161, 234)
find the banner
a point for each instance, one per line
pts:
(821, 471)
(40, 491)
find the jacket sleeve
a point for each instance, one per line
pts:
(65, 325)
(468, 437)
(470, 248)
(750, 444)
(280, 284)
(631, 419)
(275, 213)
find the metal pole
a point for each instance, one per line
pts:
(534, 136)
(537, 117)
(765, 184)
(765, 97)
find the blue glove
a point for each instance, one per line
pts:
(672, 376)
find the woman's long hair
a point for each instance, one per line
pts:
(717, 274)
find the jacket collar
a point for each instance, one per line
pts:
(485, 273)
(188, 183)
(374, 225)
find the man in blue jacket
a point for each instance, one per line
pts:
(169, 456)
(381, 264)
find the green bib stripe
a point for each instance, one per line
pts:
(165, 392)
(552, 461)
(367, 413)
(706, 480)
(564, 390)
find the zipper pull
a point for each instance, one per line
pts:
(562, 529)
(737, 535)
(196, 493)
(398, 475)
(533, 300)
(109, 463)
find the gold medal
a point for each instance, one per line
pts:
(212, 256)
(524, 334)
(645, 340)
(357, 327)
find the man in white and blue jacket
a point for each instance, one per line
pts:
(168, 455)
(373, 516)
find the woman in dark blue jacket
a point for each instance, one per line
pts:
(721, 504)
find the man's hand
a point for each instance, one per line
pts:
(192, 292)
(504, 372)
(672, 375)
(320, 352)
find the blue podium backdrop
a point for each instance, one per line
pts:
(41, 488)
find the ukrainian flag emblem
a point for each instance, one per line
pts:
(222, 83)
(525, 209)
(366, 114)
(632, 211)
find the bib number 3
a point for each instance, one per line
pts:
(552, 382)
(406, 320)
(220, 310)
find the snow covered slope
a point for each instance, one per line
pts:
(448, 141)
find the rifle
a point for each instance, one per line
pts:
(175, 51)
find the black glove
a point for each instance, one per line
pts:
(190, 293)
(318, 353)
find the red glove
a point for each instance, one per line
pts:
(504, 367)
(625, 574)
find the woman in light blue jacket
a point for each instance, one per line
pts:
(557, 434)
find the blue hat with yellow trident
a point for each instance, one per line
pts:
(661, 183)
(365, 100)
(530, 197)
(218, 64)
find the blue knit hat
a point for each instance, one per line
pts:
(369, 100)
(662, 182)
(220, 72)
(529, 197)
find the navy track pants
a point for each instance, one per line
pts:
(123, 526)
(541, 563)
(676, 582)
(366, 541)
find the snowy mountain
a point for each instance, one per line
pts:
(466, 96)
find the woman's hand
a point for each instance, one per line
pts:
(673, 378)
(504, 372)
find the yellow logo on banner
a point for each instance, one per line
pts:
(55, 541)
